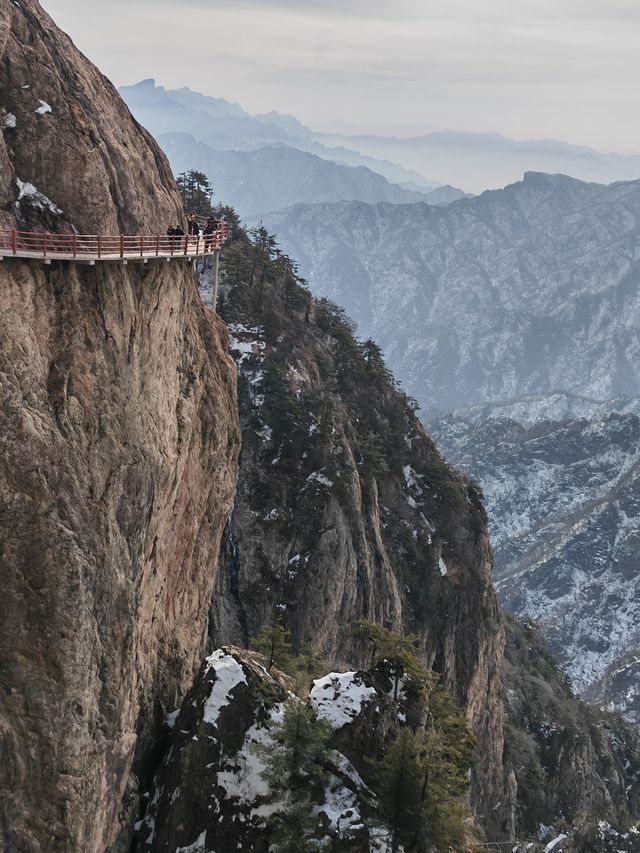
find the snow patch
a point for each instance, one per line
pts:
(443, 567)
(339, 697)
(44, 108)
(319, 477)
(170, 719)
(9, 121)
(229, 673)
(557, 844)
(27, 191)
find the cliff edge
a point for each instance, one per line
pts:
(119, 438)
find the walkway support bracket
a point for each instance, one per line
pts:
(216, 277)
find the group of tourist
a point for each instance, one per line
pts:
(194, 230)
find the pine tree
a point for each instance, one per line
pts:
(275, 644)
(398, 782)
(294, 765)
(399, 651)
(196, 192)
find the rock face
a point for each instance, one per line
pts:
(345, 509)
(564, 507)
(119, 441)
(531, 289)
(71, 136)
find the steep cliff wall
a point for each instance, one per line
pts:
(345, 509)
(118, 434)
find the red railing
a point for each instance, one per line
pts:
(39, 244)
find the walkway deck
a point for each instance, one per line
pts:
(95, 248)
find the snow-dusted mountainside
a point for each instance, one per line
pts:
(276, 176)
(563, 501)
(527, 290)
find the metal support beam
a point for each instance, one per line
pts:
(216, 276)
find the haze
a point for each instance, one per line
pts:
(564, 69)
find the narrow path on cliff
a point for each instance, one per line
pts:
(91, 248)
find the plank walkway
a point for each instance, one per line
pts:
(96, 248)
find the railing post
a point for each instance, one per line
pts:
(99, 246)
(75, 245)
(44, 245)
(157, 245)
(14, 241)
(141, 245)
(122, 246)
(186, 243)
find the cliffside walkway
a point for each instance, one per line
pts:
(93, 248)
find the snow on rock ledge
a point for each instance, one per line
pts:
(229, 674)
(210, 794)
(339, 696)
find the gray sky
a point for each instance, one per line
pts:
(567, 69)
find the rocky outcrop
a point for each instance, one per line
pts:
(119, 439)
(212, 790)
(216, 788)
(345, 509)
(65, 131)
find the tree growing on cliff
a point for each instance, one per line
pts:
(397, 650)
(196, 192)
(422, 783)
(295, 768)
(274, 642)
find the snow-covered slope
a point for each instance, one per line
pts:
(527, 290)
(563, 501)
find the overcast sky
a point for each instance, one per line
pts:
(567, 69)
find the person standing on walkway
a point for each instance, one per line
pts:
(209, 230)
(192, 226)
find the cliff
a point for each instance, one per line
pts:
(119, 441)
(345, 509)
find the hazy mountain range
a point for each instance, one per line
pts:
(473, 161)
(284, 162)
(479, 161)
(274, 177)
(526, 290)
